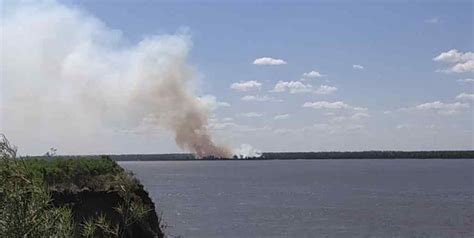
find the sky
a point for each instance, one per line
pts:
(276, 76)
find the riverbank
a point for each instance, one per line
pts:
(87, 197)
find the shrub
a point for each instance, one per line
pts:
(25, 204)
(26, 208)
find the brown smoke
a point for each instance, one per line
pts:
(65, 74)
(171, 103)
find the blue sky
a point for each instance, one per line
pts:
(394, 42)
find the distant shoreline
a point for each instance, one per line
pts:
(310, 156)
(468, 154)
(259, 159)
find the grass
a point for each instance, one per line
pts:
(76, 173)
(26, 205)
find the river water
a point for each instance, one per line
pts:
(312, 198)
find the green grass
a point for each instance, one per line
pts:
(27, 186)
(76, 173)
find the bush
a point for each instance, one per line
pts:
(25, 204)
(80, 173)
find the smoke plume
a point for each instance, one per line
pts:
(65, 72)
(247, 151)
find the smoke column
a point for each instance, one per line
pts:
(64, 72)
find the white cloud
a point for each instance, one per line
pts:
(443, 108)
(268, 61)
(465, 96)
(258, 98)
(433, 20)
(281, 116)
(226, 126)
(403, 126)
(454, 56)
(321, 128)
(463, 62)
(338, 119)
(355, 117)
(221, 125)
(299, 87)
(331, 106)
(468, 80)
(357, 66)
(325, 89)
(360, 115)
(212, 103)
(252, 114)
(246, 86)
(463, 67)
(326, 105)
(423, 126)
(334, 128)
(313, 74)
(292, 87)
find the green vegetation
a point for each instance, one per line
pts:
(77, 173)
(25, 203)
(71, 197)
(25, 211)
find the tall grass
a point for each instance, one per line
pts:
(26, 208)
(25, 203)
